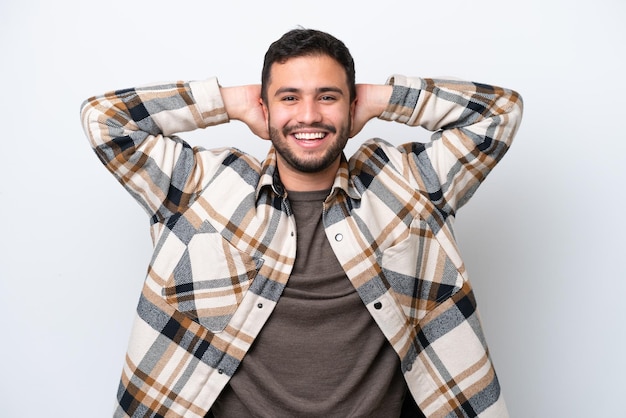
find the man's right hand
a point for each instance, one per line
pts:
(243, 103)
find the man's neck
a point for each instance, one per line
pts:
(299, 181)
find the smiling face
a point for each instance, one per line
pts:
(309, 114)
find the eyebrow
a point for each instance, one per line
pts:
(317, 90)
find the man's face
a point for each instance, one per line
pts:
(309, 113)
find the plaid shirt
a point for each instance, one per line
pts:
(225, 240)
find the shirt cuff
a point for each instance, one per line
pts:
(206, 94)
(404, 98)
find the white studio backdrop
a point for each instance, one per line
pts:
(542, 239)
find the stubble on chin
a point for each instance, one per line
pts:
(312, 164)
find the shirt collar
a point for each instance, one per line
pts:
(269, 178)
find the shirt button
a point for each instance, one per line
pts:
(220, 371)
(378, 305)
(338, 237)
(260, 305)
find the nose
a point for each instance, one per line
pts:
(309, 112)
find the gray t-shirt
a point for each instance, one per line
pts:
(320, 354)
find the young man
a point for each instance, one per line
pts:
(305, 285)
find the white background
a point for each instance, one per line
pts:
(542, 239)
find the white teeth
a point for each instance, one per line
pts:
(310, 135)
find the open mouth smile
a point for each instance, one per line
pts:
(308, 136)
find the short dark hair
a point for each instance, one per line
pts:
(306, 42)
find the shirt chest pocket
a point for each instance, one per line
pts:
(210, 279)
(420, 273)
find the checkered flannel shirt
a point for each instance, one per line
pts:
(225, 240)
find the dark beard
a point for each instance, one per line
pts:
(309, 165)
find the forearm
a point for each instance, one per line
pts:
(474, 126)
(133, 133)
(436, 104)
(160, 109)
